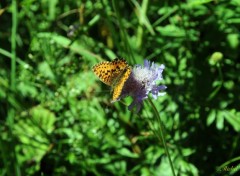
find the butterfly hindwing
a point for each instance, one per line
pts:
(117, 89)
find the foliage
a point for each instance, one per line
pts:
(57, 119)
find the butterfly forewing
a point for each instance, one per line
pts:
(107, 72)
(114, 73)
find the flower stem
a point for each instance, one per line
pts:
(122, 29)
(162, 135)
(11, 161)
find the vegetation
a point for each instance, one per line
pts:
(57, 117)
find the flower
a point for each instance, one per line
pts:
(141, 82)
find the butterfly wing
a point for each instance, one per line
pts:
(117, 90)
(107, 72)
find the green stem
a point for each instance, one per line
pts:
(215, 92)
(13, 45)
(162, 135)
(229, 162)
(123, 32)
(13, 162)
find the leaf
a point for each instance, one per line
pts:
(27, 89)
(170, 58)
(187, 152)
(66, 43)
(232, 117)
(211, 117)
(198, 2)
(233, 40)
(32, 131)
(128, 153)
(220, 120)
(46, 70)
(171, 31)
(52, 8)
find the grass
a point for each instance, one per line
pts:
(56, 116)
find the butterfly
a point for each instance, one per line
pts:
(114, 73)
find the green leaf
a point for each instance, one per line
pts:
(211, 117)
(76, 47)
(220, 120)
(128, 153)
(233, 40)
(187, 151)
(27, 89)
(170, 58)
(32, 130)
(171, 31)
(45, 69)
(198, 2)
(52, 9)
(232, 117)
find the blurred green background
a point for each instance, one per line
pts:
(56, 116)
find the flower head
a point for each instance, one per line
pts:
(141, 82)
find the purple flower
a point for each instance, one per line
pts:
(141, 82)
